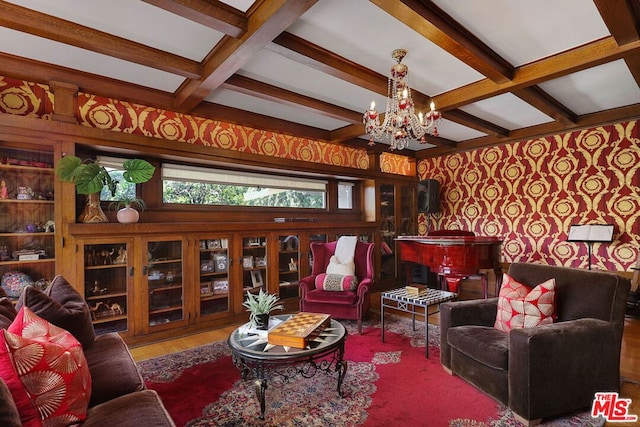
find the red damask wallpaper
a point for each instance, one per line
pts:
(25, 98)
(530, 192)
(104, 113)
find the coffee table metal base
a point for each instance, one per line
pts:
(254, 357)
(282, 372)
(398, 299)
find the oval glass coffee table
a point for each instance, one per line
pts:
(255, 357)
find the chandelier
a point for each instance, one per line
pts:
(401, 124)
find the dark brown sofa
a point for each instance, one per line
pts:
(118, 393)
(547, 370)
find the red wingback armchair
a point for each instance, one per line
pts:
(339, 304)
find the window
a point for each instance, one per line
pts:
(208, 186)
(124, 189)
(345, 195)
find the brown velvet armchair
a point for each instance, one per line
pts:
(548, 370)
(339, 304)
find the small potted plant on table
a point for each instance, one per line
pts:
(260, 306)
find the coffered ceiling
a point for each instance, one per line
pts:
(498, 70)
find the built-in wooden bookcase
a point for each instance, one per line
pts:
(145, 283)
(27, 212)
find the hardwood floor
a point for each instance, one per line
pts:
(629, 360)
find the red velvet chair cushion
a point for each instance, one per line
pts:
(345, 297)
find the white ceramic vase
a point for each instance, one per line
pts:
(127, 215)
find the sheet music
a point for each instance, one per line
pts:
(591, 233)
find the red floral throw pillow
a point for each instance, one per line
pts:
(522, 307)
(46, 371)
(336, 282)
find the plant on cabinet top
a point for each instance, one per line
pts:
(90, 176)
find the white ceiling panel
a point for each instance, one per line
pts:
(370, 40)
(456, 132)
(507, 111)
(524, 31)
(273, 109)
(32, 47)
(271, 68)
(136, 21)
(600, 88)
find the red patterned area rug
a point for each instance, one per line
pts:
(387, 384)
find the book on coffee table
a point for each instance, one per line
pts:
(299, 330)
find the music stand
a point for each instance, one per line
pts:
(590, 234)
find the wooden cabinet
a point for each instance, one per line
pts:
(165, 296)
(288, 265)
(255, 262)
(27, 228)
(147, 284)
(107, 273)
(398, 216)
(215, 290)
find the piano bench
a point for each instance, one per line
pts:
(451, 282)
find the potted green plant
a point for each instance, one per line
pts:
(128, 207)
(90, 177)
(260, 306)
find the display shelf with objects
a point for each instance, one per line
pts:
(288, 265)
(27, 213)
(214, 276)
(106, 273)
(165, 288)
(254, 262)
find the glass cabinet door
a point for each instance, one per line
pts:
(288, 266)
(254, 263)
(166, 302)
(387, 231)
(214, 276)
(322, 238)
(408, 211)
(106, 285)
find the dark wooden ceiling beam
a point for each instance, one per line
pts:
(269, 92)
(39, 24)
(264, 24)
(427, 19)
(347, 133)
(622, 17)
(590, 55)
(258, 121)
(40, 72)
(304, 52)
(544, 102)
(210, 13)
(476, 123)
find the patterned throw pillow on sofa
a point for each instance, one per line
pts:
(336, 282)
(522, 307)
(46, 371)
(63, 306)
